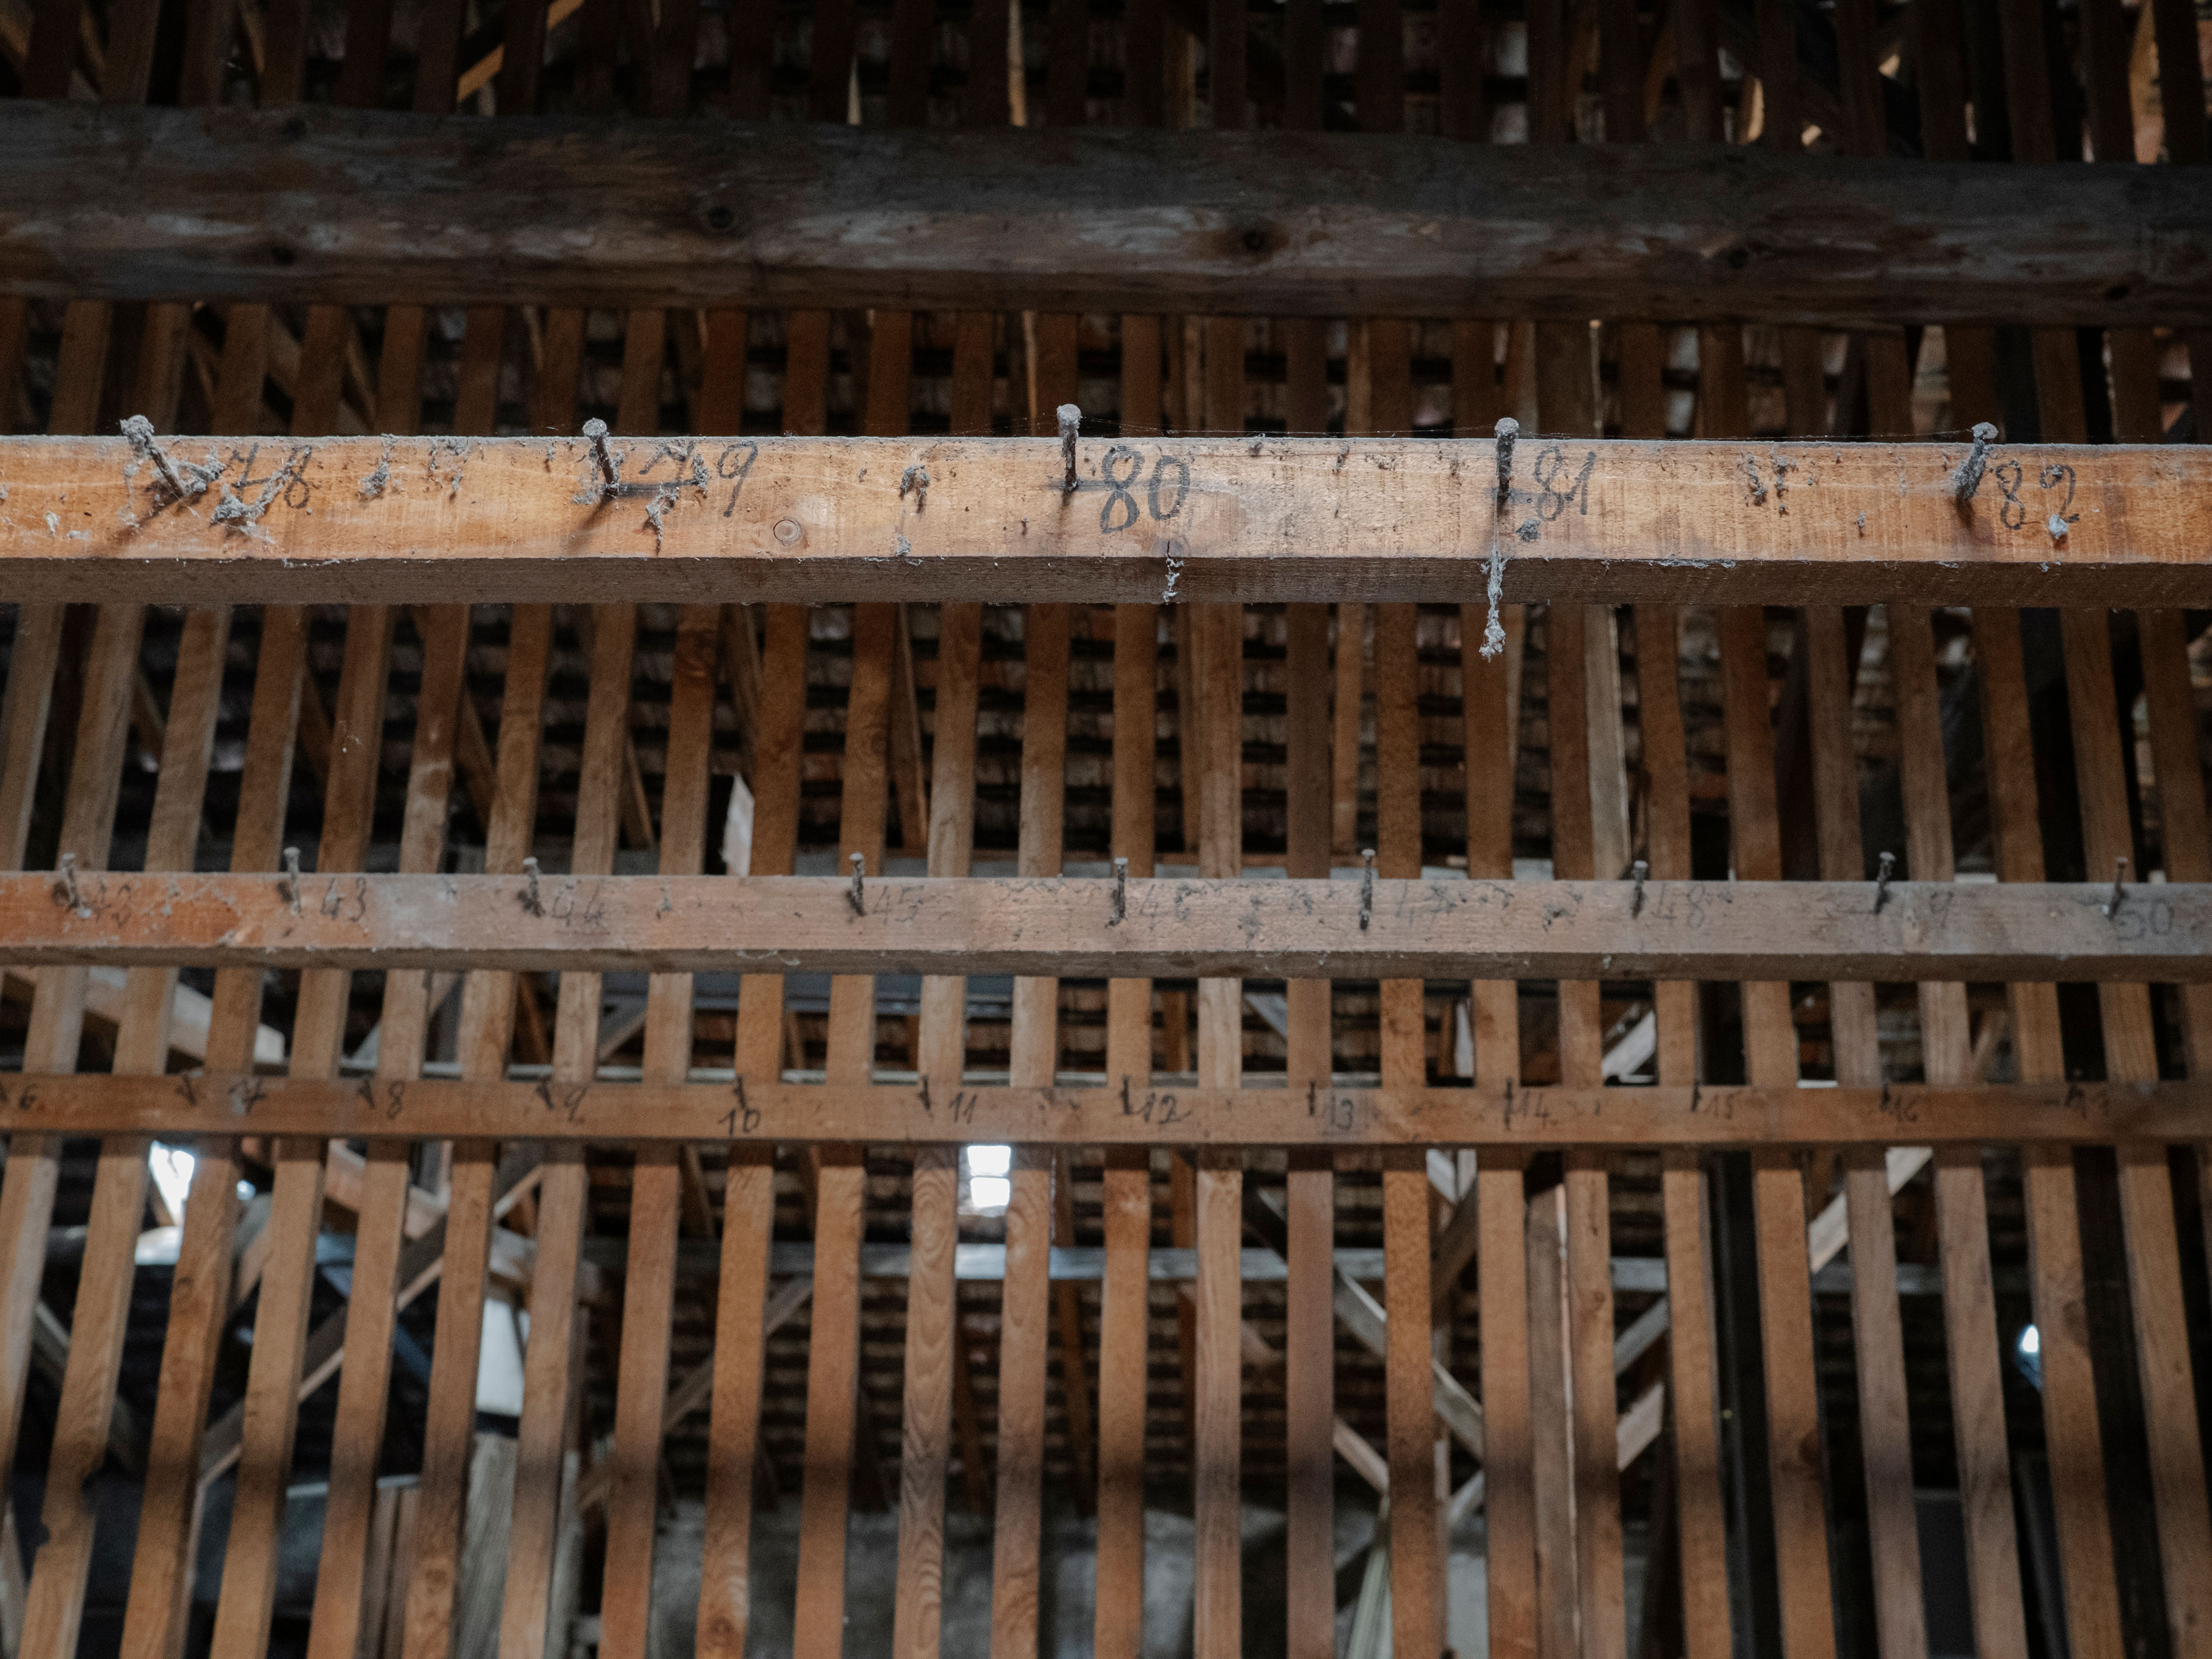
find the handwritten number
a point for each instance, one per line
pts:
(731, 464)
(2014, 513)
(1182, 486)
(1117, 485)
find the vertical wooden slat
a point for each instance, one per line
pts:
(1558, 1603)
(656, 1196)
(79, 1447)
(2162, 1358)
(933, 1294)
(1033, 1059)
(1310, 1319)
(249, 1578)
(542, 1439)
(1970, 1314)
(1124, 1336)
(57, 1021)
(486, 1032)
(2054, 1236)
(371, 1310)
(748, 1203)
(1416, 1566)
(1701, 1537)
(1778, 1188)
(1885, 1429)
(1577, 634)
(199, 1295)
(1501, 1270)
(1216, 1479)
(832, 1373)
(33, 653)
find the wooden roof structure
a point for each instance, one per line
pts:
(1514, 693)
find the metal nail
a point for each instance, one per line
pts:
(530, 902)
(1367, 889)
(2119, 893)
(1071, 423)
(857, 898)
(1121, 909)
(1637, 870)
(596, 430)
(290, 885)
(1881, 881)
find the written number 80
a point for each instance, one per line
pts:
(1164, 495)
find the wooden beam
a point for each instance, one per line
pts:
(573, 1108)
(573, 211)
(1167, 927)
(341, 519)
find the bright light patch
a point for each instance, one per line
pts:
(2031, 1340)
(990, 1184)
(172, 1169)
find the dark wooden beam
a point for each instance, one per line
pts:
(1484, 1113)
(357, 207)
(1161, 928)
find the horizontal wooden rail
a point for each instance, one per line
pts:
(197, 521)
(1174, 928)
(1127, 1113)
(304, 203)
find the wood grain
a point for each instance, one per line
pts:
(1265, 519)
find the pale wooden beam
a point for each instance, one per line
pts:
(1068, 926)
(1206, 520)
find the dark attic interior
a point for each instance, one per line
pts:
(1318, 828)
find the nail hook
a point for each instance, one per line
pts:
(596, 430)
(1367, 889)
(857, 898)
(1120, 910)
(1071, 423)
(530, 902)
(2120, 892)
(1637, 870)
(290, 885)
(1881, 881)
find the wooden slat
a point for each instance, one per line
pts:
(2055, 1266)
(56, 1020)
(542, 1439)
(199, 1296)
(250, 1560)
(364, 1386)
(488, 1002)
(1417, 1575)
(748, 1205)
(99, 1323)
(1578, 711)
(1034, 1047)
(656, 1197)
(1216, 1477)
(1877, 1326)
(1124, 1334)
(1701, 1539)
(1969, 1302)
(1778, 1188)
(932, 1295)
(1310, 1320)
(2154, 1284)
(1278, 519)
(832, 1369)
(1559, 1608)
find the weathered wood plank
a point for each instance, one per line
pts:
(1504, 1112)
(1877, 1326)
(199, 1296)
(656, 1197)
(488, 1003)
(2154, 1278)
(364, 1386)
(281, 1325)
(55, 1603)
(573, 211)
(1172, 925)
(1205, 519)
(542, 1439)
